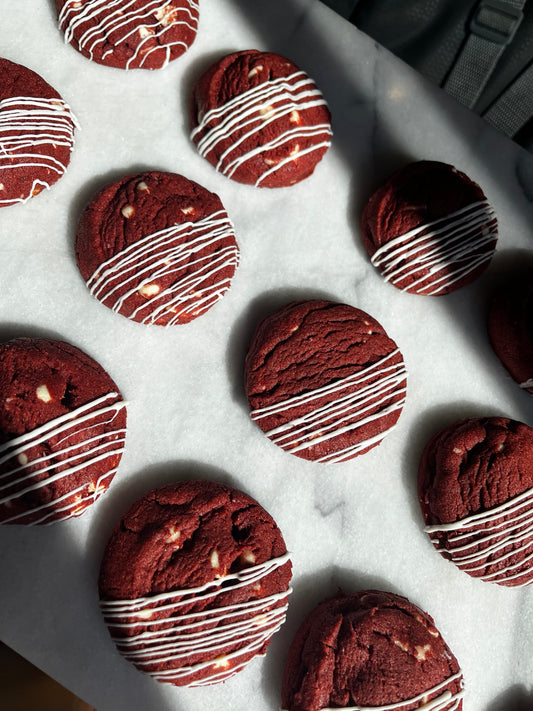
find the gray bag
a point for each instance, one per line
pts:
(481, 52)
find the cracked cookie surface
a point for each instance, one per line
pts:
(194, 582)
(324, 381)
(475, 487)
(62, 430)
(370, 649)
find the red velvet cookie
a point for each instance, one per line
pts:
(510, 327)
(62, 431)
(157, 248)
(129, 34)
(323, 380)
(194, 582)
(36, 134)
(429, 229)
(475, 485)
(370, 650)
(259, 119)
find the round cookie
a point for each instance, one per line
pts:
(259, 119)
(510, 328)
(475, 486)
(129, 34)
(323, 380)
(62, 431)
(429, 229)
(156, 248)
(370, 650)
(194, 582)
(36, 134)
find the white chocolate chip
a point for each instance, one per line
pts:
(213, 558)
(22, 459)
(422, 651)
(96, 489)
(252, 73)
(144, 614)
(294, 117)
(128, 211)
(456, 450)
(43, 393)
(256, 587)
(2, 186)
(404, 647)
(166, 15)
(145, 32)
(173, 535)
(247, 556)
(142, 186)
(295, 150)
(269, 161)
(149, 290)
(187, 210)
(266, 111)
(221, 662)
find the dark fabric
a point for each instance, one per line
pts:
(429, 35)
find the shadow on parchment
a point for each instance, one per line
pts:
(517, 698)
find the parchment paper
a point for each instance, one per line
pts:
(353, 525)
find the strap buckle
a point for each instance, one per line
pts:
(496, 21)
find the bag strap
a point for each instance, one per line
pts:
(491, 29)
(514, 107)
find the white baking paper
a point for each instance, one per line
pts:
(352, 525)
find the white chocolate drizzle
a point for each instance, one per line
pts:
(440, 253)
(440, 703)
(282, 96)
(186, 252)
(485, 529)
(248, 624)
(22, 474)
(125, 22)
(354, 401)
(31, 128)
